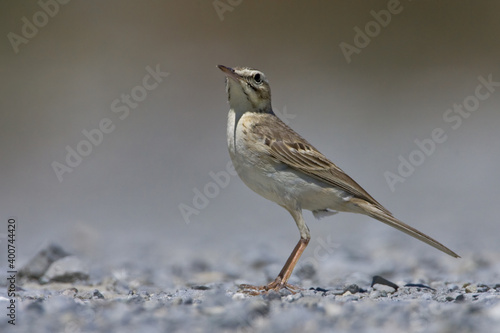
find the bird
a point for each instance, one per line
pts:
(281, 166)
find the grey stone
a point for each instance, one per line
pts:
(353, 289)
(482, 288)
(384, 288)
(97, 294)
(70, 292)
(67, 269)
(38, 265)
(471, 288)
(378, 280)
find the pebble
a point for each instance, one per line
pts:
(97, 294)
(482, 288)
(294, 297)
(353, 289)
(70, 292)
(378, 280)
(67, 269)
(38, 265)
(471, 288)
(384, 288)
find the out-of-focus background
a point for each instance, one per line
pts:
(360, 98)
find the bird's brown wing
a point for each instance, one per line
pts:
(288, 147)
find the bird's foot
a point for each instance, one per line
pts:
(276, 285)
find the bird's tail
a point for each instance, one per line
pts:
(388, 219)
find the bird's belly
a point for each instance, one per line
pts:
(288, 187)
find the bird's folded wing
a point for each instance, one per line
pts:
(305, 158)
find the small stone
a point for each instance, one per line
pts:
(293, 297)
(471, 288)
(67, 269)
(384, 288)
(320, 290)
(353, 289)
(381, 281)
(70, 292)
(41, 262)
(197, 287)
(347, 293)
(187, 300)
(97, 294)
(482, 288)
(419, 285)
(460, 298)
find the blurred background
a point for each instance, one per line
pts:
(66, 67)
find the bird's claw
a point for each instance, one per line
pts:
(276, 285)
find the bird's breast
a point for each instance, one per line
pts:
(248, 155)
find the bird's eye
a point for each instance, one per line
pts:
(258, 78)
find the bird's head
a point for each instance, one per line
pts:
(247, 89)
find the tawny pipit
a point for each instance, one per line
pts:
(281, 166)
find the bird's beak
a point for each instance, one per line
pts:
(230, 73)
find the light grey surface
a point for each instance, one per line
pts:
(149, 292)
(120, 206)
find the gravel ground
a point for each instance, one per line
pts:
(59, 293)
